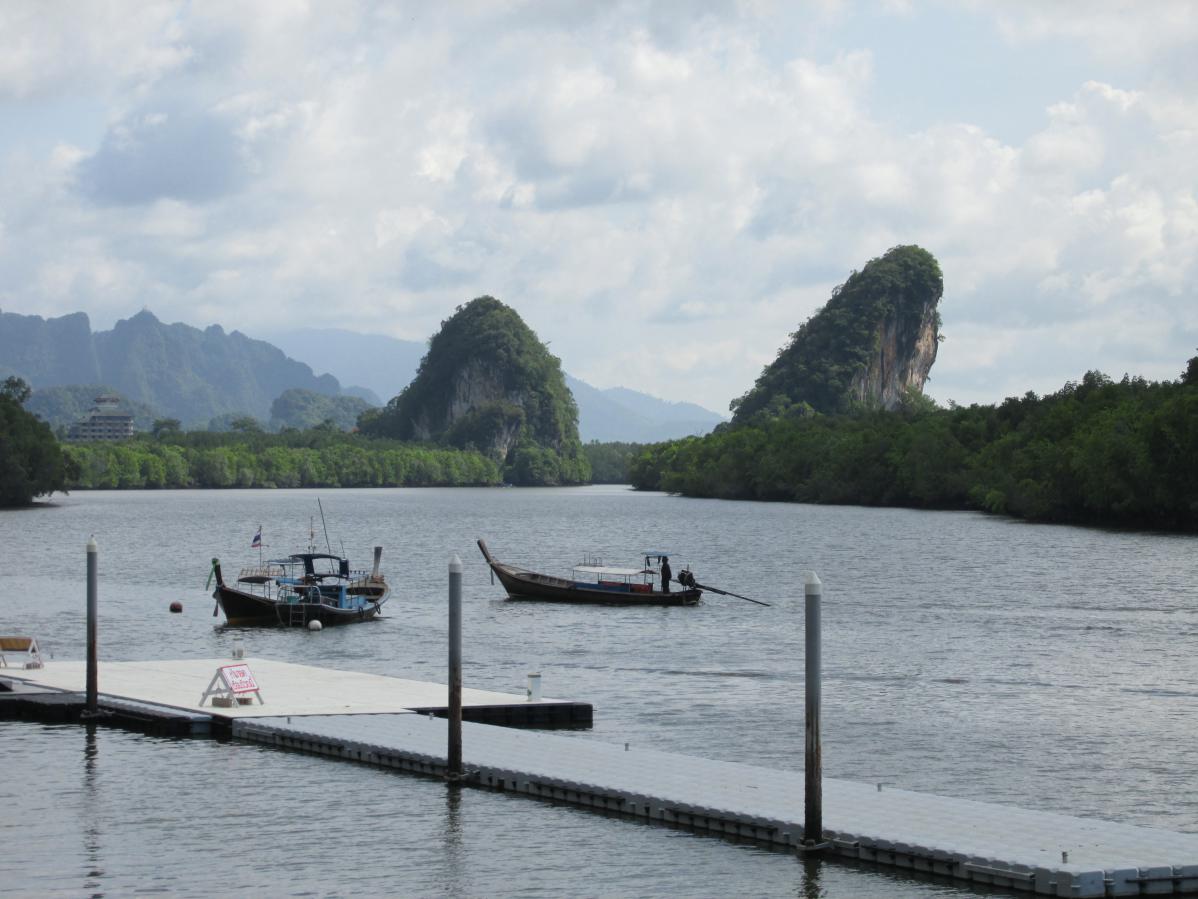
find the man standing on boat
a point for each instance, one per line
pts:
(665, 574)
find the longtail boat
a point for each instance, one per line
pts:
(299, 589)
(591, 581)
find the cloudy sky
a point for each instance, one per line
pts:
(662, 190)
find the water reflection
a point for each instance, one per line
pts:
(451, 829)
(92, 850)
(809, 883)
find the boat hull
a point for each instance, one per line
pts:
(249, 610)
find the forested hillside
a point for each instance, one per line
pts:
(300, 409)
(488, 383)
(1095, 452)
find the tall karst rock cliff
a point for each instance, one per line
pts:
(489, 384)
(873, 342)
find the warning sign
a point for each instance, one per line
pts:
(239, 679)
(230, 684)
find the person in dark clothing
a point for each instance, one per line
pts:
(665, 574)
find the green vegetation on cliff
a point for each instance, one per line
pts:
(298, 408)
(488, 383)
(1095, 452)
(31, 462)
(895, 295)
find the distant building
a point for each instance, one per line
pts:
(103, 422)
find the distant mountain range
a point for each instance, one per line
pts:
(378, 367)
(181, 371)
(628, 416)
(177, 371)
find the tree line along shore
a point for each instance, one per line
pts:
(319, 457)
(1096, 452)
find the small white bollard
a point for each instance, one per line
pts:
(238, 650)
(315, 625)
(534, 686)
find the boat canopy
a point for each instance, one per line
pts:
(608, 571)
(309, 559)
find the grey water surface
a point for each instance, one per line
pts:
(965, 655)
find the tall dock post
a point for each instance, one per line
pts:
(455, 669)
(92, 665)
(813, 790)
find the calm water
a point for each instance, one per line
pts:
(1046, 667)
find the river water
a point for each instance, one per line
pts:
(965, 655)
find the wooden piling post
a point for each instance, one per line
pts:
(92, 612)
(813, 791)
(454, 771)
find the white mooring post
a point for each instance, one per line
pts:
(92, 612)
(813, 791)
(454, 771)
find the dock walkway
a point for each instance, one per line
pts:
(291, 689)
(976, 841)
(395, 723)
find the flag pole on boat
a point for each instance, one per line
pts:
(327, 544)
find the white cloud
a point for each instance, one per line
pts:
(95, 48)
(663, 198)
(1109, 28)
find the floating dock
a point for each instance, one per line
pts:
(1041, 852)
(393, 723)
(287, 689)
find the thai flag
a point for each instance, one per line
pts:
(257, 543)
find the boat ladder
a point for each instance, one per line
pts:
(297, 614)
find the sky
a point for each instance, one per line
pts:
(664, 191)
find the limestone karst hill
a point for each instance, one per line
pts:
(874, 341)
(488, 383)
